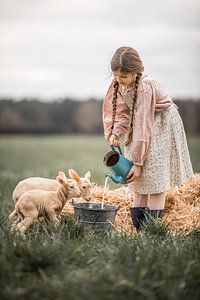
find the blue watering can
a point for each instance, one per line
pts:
(118, 164)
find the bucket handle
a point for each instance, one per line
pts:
(73, 202)
(119, 149)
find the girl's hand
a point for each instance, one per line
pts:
(134, 173)
(114, 140)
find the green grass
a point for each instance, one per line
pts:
(72, 262)
(194, 148)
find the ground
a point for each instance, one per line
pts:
(72, 262)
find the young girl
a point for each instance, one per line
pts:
(138, 109)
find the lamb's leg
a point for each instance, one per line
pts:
(29, 215)
(18, 220)
(14, 219)
(25, 224)
(51, 217)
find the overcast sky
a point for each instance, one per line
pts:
(58, 48)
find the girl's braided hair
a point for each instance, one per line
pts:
(126, 60)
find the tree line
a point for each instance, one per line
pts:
(32, 116)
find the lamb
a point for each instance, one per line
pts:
(46, 184)
(48, 204)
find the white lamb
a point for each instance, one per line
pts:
(48, 204)
(46, 184)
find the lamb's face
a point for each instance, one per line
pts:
(84, 183)
(73, 188)
(85, 187)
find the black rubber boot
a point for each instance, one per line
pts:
(156, 213)
(138, 216)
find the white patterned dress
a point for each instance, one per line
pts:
(168, 162)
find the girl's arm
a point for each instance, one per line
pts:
(121, 118)
(143, 123)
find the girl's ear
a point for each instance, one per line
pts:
(88, 175)
(74, 175)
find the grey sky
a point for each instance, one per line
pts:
(57, 48)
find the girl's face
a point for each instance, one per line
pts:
(126, 79)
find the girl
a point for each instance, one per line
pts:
(138, 109)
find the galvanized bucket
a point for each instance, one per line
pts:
(92, 214)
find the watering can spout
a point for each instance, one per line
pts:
(110, 176)
(116, 179)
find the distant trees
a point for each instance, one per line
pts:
(72, 117)
(36, 117)
(190, 113)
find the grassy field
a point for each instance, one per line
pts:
(71, 262)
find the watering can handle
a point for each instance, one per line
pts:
(119, 149)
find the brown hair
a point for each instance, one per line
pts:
(126, 60)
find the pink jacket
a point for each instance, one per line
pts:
(151, 98)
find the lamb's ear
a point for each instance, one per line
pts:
(74, 175)
(61, 180)
(88, 175)
(61, 174)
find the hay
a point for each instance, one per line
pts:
(182, 209)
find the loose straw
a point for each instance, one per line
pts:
(182, 209)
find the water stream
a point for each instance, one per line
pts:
(104, 192)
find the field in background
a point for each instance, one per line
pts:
(24, 156)
(72, 263)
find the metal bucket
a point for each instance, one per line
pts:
(92, 214)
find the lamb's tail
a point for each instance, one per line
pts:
(14, 217)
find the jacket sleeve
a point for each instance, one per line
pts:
(121, 118)
(143, 123)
